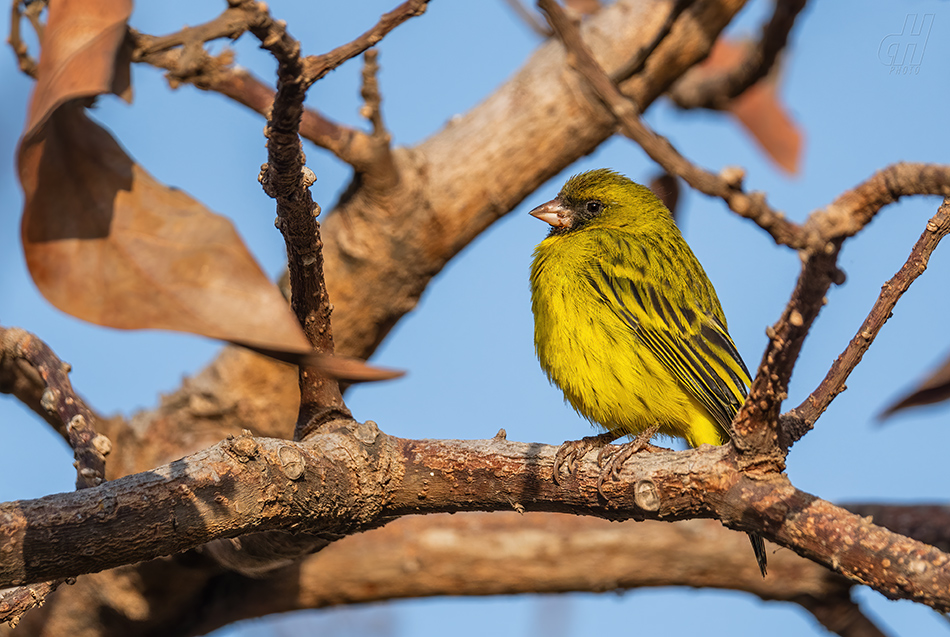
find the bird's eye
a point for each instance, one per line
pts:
(593, 207)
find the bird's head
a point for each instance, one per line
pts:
(600, 197)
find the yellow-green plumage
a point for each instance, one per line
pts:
(627, 323)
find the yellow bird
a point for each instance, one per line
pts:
(626, 322)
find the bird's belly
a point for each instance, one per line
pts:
(611, 378)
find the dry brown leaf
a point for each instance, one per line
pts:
(344, 368)
(759, 109)
(107, 243)
(84, 53)
(933, 389)
(351, 370)
(103, 240)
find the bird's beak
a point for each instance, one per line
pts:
(554, 213)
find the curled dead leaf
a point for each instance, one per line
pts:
(85, 53)
(106, 242)
(342, 368)
(350, 370)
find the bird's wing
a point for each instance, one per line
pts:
(692, 343)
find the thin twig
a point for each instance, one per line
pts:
(756, 427)
(380, 173)
(529, 18)
(659, 149)
(834, 382)
(15, 602)
(316, 66)
(232, 23)
(636, 63)
(372, 98)
(73, 419)
(26, 62)
(825, 230)
(210, 73)
(183, 56)
(703, 88)
(856, 208)
(287, 180)
(27, 363)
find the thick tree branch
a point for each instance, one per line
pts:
(464, 554)
(344, 482)
(928, 523)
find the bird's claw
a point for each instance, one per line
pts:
(572, 451)
(612, 461)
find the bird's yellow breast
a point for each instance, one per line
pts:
(597, 360)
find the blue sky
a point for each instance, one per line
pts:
(468, 346)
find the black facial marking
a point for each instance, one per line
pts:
(582, 212)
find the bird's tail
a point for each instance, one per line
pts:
(758, 547)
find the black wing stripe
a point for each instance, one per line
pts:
(682, 369)
(737, 381)
(713, 392)
(706, 363)
(717, 336)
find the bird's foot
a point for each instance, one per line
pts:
(572, 451)
(611, 460)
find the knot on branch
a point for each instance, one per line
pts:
(646, 495)
(733, 176)
(243, 447)
(288, 188)
(291, 462)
